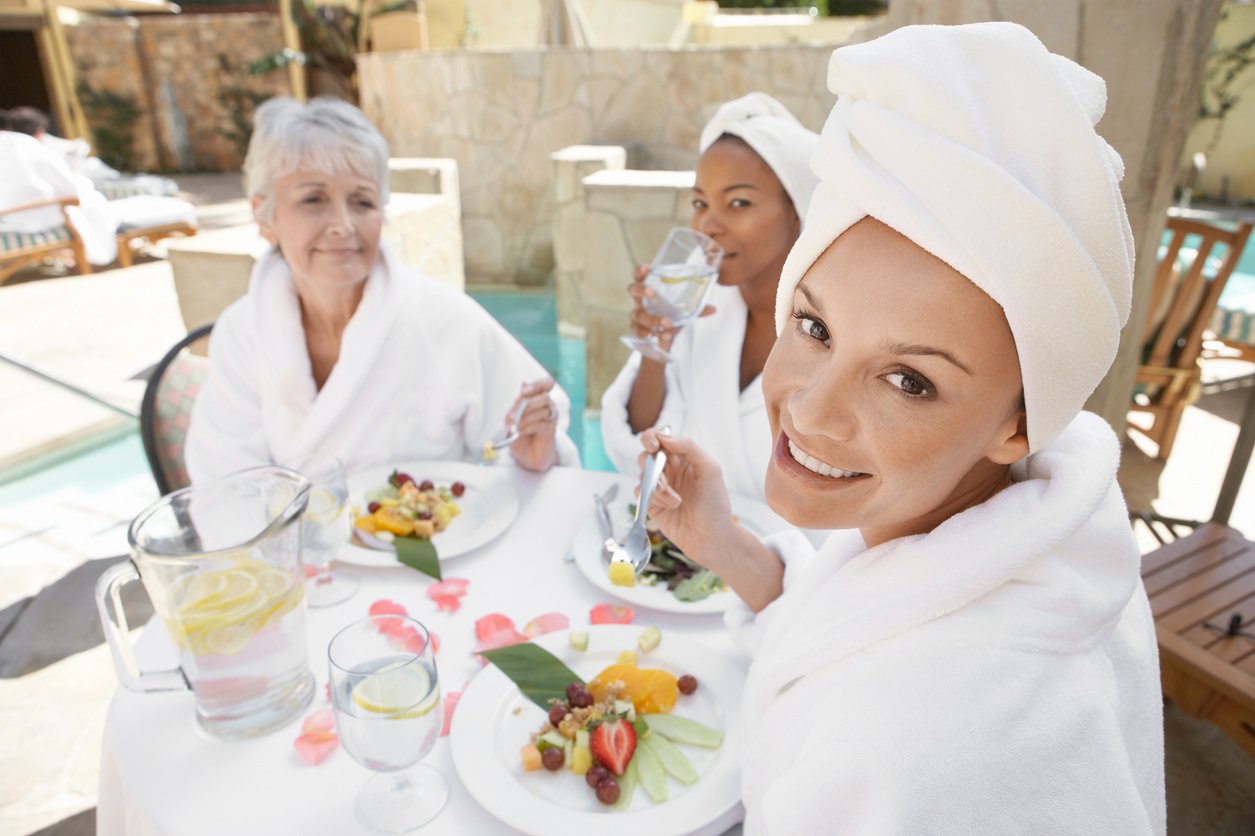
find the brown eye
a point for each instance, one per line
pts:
(910, 383)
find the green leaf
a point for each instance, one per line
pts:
(419, 553)
(540, 675)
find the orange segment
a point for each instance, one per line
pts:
(652, 691)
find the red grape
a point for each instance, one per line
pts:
(687, 684)
(607, 790)
(457, 489)
(372, 507)
(556, 713)
(426, 485)
(553, 759)
(595, 774)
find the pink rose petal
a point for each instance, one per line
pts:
(314, 748)
(386, 607)
(447, 603)
(453, 587)
(546, 623)
(320, 721)
(501, 638)
(435, 642)
(326, 692)
(450, 703)
(611, 614)
(310, 571)
(492, 623)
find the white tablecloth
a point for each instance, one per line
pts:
(160, 774)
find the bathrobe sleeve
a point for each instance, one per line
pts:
(227, 433)
(796, 552)
(490, 371)
(622, 445)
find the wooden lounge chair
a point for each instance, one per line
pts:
(18, 249)
(1183, 300)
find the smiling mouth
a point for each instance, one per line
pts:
(815, 466)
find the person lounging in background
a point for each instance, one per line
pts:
(31, 171)
(339, 349)
(975, 652)
(752, 187)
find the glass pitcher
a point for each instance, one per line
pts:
(221, 562)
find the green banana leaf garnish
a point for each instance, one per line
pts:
(419, 553)
(539, 674)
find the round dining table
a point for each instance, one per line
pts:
(161, 774)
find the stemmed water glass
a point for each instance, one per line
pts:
(385, 696)
(325, 530)
(680, 276)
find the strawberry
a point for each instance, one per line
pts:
(613, 744)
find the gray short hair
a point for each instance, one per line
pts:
(325, 134)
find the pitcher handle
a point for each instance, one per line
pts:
(117, 633)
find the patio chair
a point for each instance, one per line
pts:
(1187, 286)
(18, 249)
(166, 410)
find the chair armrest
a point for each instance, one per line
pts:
(63, 202)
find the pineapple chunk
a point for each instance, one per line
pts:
(581, 760)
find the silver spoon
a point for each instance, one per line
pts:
(635, 549)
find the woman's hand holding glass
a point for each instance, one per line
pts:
(671, 291)
(537, 425)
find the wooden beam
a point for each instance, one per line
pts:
(292, 41)
(75, 124)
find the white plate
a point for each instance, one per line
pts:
(493, 721)
(754, 515)
(488, 507)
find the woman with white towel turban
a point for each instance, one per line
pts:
(338, 348)
(974, 653)
(753, 184)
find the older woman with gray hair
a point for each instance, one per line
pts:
(338, 348)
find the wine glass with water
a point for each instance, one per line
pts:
(325, 530)
(385, 695)
(680, 276)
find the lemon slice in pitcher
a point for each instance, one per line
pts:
(403, 691)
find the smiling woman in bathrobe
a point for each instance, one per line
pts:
(975, 652)
(337, 348)
(753, 184)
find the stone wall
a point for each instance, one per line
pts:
(502, 114)
(186, 76)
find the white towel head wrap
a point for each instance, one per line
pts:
(978, 144)
(775, 135)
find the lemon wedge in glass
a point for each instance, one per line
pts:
(403, 692)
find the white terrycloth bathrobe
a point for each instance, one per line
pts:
(704, 400)
(424, 374)
(997, 675)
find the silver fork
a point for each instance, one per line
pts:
(635, 548)
(602, 502)
(491, 447)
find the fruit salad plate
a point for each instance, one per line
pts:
(487, 506)
(587, 548)
(494, 720)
